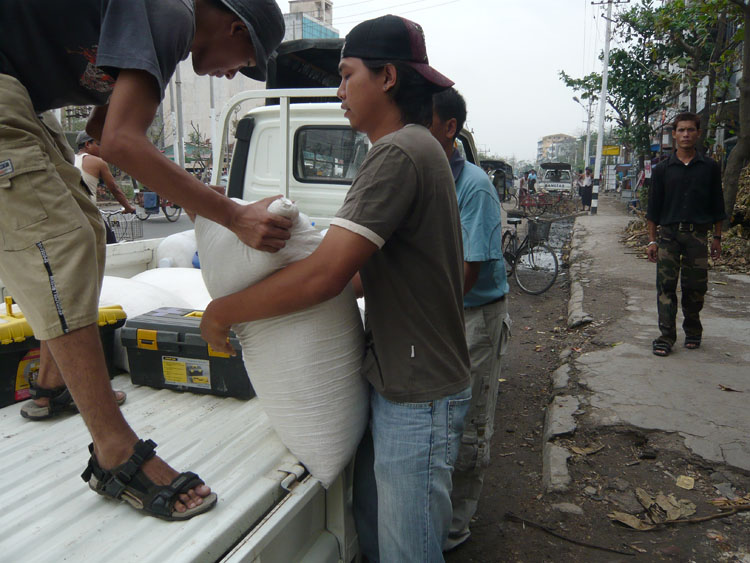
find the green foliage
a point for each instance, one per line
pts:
(663, 48)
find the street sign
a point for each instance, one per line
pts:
(610, 150)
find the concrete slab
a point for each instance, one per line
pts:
(555, 475)
(559, 419)
(685, 392)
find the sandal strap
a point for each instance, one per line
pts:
(58, 395)
(114, 481)
(161, 500)
(123, 474)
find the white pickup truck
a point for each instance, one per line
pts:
(270, 509)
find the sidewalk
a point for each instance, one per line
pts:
(624, 383)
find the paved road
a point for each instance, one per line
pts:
(680, 393)
(157, 226)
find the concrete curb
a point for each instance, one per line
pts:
(576, 314)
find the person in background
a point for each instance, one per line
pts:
(686, 202)
(522, 183)
(96, 53)
(485, 310)
(532, 181)
(399, 230)
(95, 171)
(587, 189)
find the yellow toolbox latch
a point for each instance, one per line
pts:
(146, 339)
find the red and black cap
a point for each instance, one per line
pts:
(393, 38)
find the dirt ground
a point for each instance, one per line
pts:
(613, 463)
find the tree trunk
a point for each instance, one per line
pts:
(740, 154)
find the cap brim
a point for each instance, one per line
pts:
(254, 72)
(257, 72)
(431, 75)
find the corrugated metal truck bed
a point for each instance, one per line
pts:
(47, 513)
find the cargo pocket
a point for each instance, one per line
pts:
(24, 220)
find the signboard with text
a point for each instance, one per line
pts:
(610, 150)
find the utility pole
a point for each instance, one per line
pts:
(602, 102)
(180, 148)
(589, 117)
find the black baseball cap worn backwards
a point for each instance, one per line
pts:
(393, 38)
(265, 23)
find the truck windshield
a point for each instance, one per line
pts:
(557, 176)
(328, 154)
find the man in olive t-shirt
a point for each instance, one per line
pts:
(399, 228)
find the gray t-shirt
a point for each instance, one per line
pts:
(69, 52)
(403, 199)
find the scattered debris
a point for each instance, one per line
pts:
(590, 450)
(685, 482)
(513, 518)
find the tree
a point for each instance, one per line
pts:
(701, 47)
(740, 154)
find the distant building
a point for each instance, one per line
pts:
(556, 148)
(310, 19)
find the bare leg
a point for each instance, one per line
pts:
(80, 357)
(49, 376)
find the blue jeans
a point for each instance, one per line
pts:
(402, 477)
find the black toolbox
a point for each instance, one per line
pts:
(19, 350)
(166, 351)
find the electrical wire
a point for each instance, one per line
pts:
(354, 18)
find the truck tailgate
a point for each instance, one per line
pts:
(47, 513)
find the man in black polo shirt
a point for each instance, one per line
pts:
(685, 200)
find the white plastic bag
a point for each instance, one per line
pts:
(136, 298)
(177, 250)
(304, 367)
(185, 283)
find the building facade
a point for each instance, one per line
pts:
(556, 148)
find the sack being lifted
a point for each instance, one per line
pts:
(305, 366)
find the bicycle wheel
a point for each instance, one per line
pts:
(509, 246)
(537, 207)
(536, 268)
(509, 203)
(141, 214)
(171, 212)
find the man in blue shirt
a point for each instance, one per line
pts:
(485, 309)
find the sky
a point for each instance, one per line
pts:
(505, 57)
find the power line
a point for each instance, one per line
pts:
(352, 18)
(338, 6)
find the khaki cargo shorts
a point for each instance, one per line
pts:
(52, 244)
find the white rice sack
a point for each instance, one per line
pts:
(304, 367)
(135, 298)
(185, 283)
(177, 250)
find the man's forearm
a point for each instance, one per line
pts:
(651, 230)
(139, 158)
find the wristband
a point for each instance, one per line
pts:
(650, 243)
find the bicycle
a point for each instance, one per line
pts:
(122, 225)
(531, 261)
(149, 203)
(539, 203)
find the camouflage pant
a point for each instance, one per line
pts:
(682, 255)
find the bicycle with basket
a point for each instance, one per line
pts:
(125, 226)
(530, 260)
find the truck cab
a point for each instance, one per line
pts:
(555, 177)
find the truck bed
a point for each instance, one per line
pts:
(47, 513)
